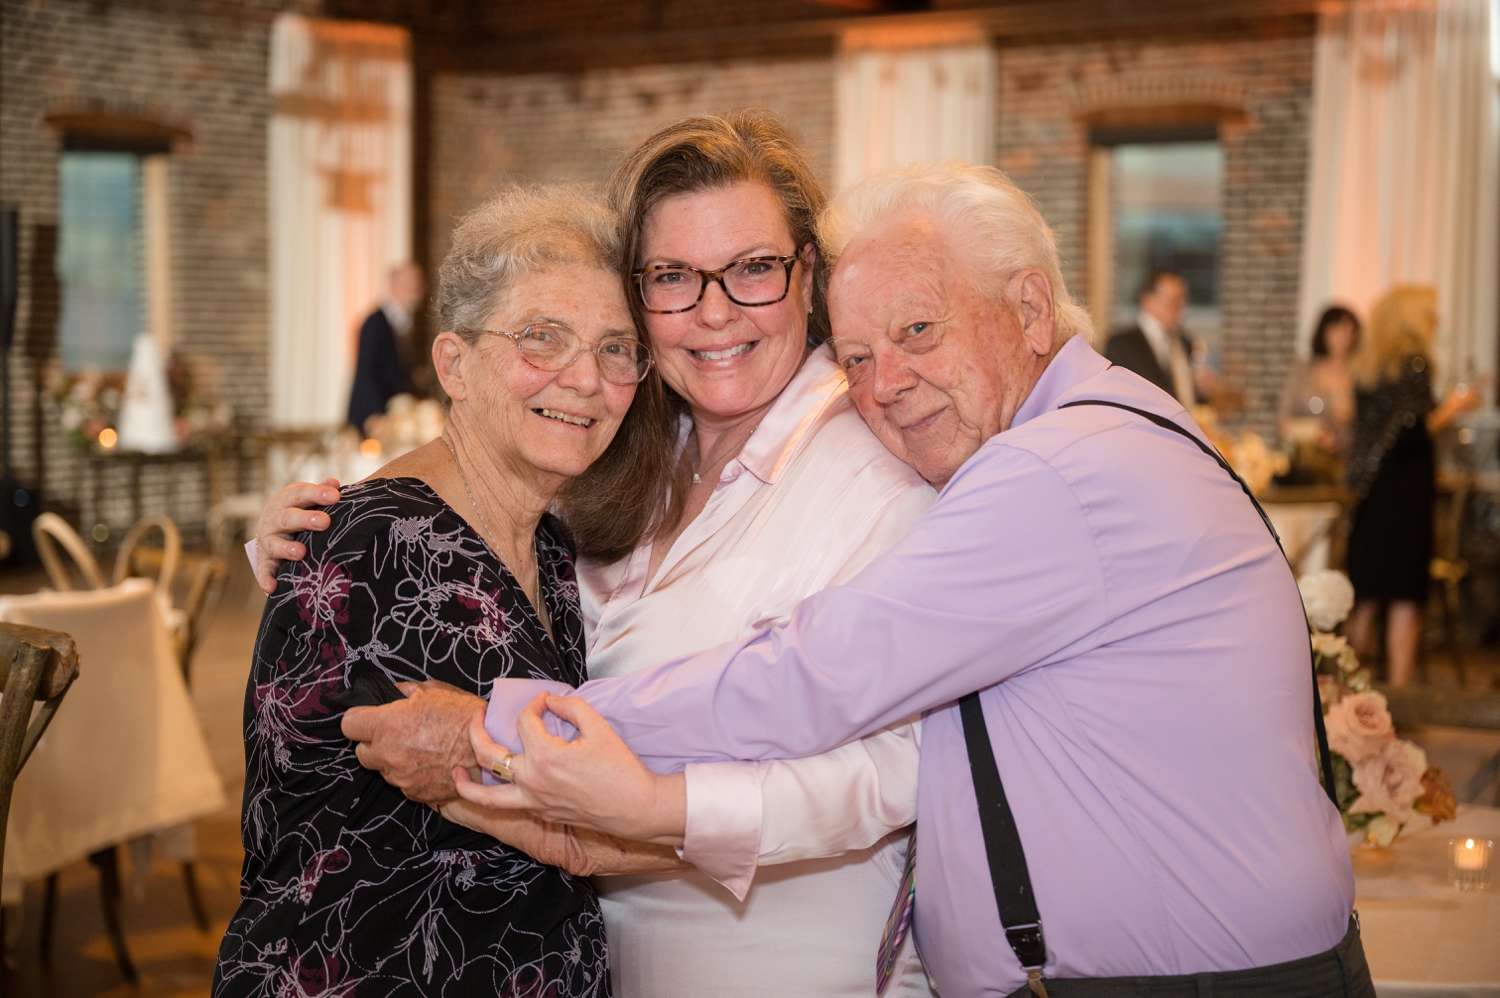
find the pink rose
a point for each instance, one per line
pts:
(1359, 726)
(1391, 781)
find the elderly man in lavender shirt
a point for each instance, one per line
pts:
(1133, 629)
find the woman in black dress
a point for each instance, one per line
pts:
(444, 568)
(1391, 472)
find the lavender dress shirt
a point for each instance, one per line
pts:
(1142, 653)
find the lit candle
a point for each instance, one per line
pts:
(1469, 855)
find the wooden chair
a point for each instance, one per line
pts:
(48, 530)
(1448, 568)
(35, 664)
(165, 564)
(1422, 705)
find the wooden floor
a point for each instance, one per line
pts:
(175, 959)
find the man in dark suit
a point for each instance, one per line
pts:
(384, 365)
(1156, 347)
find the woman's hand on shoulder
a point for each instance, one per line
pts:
(293, 510)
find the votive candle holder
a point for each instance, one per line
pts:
(1469, 863)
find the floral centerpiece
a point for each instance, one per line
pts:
(1382, 781)
(88, 405)
(200, 414)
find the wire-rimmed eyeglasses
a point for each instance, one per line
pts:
(548, 346)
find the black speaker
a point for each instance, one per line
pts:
(10, 274)
(19, 504)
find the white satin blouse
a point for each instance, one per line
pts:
(807, 853)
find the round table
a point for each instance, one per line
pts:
(1422, 936)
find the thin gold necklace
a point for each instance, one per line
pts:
(698, 479)
(489, 535)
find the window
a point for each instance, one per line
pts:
(114, 255)
(98, 258)
(1155, 205)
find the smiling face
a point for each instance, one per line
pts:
(725, 359)
(555, 423)
(934, 367)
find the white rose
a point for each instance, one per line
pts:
(1327, 596)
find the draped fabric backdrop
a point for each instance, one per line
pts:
(1406, 168)
(340, 174)
(913, 96)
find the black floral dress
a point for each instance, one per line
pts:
(349, 890)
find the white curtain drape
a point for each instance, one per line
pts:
(340, 202)
(1406, 168)
(906, 98)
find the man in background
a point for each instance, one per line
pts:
(384, 365)
(1157, 348)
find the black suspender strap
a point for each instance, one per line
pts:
(1009, 875)
(1002, 846)
(1325, 757)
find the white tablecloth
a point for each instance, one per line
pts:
(1423, 937)
(125, 755)
(1305, 531)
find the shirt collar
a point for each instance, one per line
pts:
(1156, 334)
(815, 386)
(398, 317)
(1076, 361)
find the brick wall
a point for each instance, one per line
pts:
(491, 130)
(1048, 92)
(201, 66)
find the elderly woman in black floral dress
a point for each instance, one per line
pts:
(444, 570)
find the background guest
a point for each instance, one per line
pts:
(1391, 472)
(384, 365)
(1316, 413)
(1156, 347)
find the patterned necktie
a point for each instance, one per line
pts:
(899, 922)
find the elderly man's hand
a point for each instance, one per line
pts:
(416, 743)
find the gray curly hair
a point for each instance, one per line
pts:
(513, 233)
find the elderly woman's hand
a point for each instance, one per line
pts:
(594, 781)
(417, 743)
(289, 513)
(580, 852)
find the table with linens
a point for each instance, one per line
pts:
(125, 756)
(1424, 938)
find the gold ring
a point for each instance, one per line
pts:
(502, 771)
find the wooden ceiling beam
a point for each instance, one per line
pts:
(1059, 20)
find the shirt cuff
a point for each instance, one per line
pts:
(722, 837)
(508, 697)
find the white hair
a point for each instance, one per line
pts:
(978, 208)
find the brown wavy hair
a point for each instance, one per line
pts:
(612, 512)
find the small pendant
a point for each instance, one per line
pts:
(697, 480)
